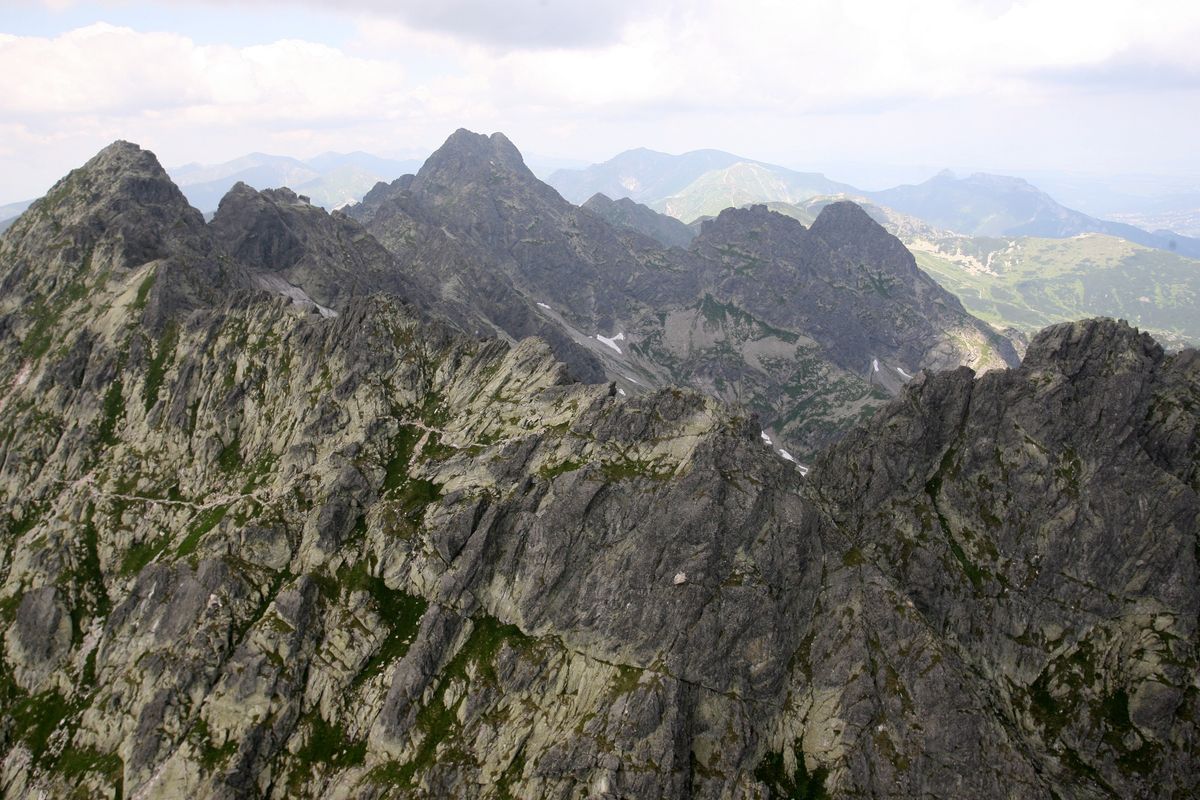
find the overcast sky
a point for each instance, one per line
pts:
(1088, 85)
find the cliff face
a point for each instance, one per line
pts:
(1041, 525)
(250, 549)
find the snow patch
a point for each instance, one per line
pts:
(766, 439)
(620, 337)
(620, 391)
(904, 374)
(789, 457)
(875, 364)
(299, 297)
(543, 305)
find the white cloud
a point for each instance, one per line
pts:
(821, 56)
(102, 69)
(512, 23)
(775, 79)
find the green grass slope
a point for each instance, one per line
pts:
(1029, 283)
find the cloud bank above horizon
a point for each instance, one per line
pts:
(1052, 84)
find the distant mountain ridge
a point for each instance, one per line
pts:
(703, 182)
(997, 205)
(330, 180)
(694, 184)
(745, 183)
(10, 212)
(642, 174)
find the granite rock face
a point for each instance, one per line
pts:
(1043, 523)
(253, 550)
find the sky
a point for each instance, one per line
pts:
(863, 90)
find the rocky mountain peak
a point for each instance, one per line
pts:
(846, 227)
(291, 247)
(846, 219)
(735, 223)
(120, 179)
(379, 195)
(118, 211)
(599, 201)
(254, 227)
(1093, 347)
(239, 192)
(122, 154)
(602, 204)
(472, 157)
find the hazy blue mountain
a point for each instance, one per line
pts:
(1126, 197)
(695, 184)
(388, 167)
(703, 182)
(746, 183)
(11, 210)
(205, 184)
(283, 168)
(997, 205)
(545, 166)
(348, 183)
(642, 175)
(331, 179)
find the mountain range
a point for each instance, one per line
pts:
(720, 316)
(704, 182)
(330, 180)
(699, 184)
(308, 504)
(1025, 283)
(994, 205)
(1048, 264)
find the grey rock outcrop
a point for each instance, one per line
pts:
(625, 213)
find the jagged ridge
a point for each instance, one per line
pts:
(256, 551)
